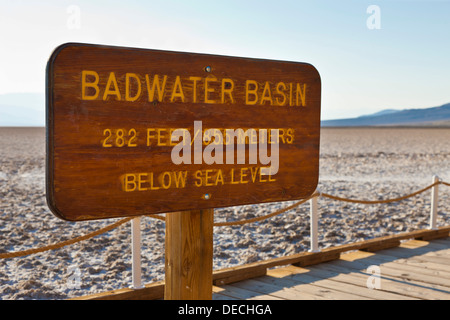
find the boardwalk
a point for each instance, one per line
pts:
(414, 270)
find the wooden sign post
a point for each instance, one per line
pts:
(132, 132)
(189, 255)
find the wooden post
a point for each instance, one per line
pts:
(189, 255)
(434, 203)
(314, 228)
(136, 252)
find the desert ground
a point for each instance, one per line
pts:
(357, 163)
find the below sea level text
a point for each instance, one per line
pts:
(152, 181)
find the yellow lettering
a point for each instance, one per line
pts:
(85, 85)
(290, 134)
(251, 92)
(242, 137)
(107, 142)
(243, 175)
(281, 92)
(151, 182)
(141, 181)
(218, 137)
(261, 177)
(302, 94)
(172, 143)
(129, 184)
(219, 177)
(149, 135)
(208, 177)
(177, 91)
(209, 90)
(270, 178)
(144, 181)
(162, 179)
(195, 80)
(112, 80)
(266, 95)
(290, 94)
(280, 135)
(254, 173)
(180, 179)
(186, 137)
(196, 135)
(156, 85)
(160, 142)
(232, 177)
(127, 87)
(198, 177)
(227, 87)
(253, 136)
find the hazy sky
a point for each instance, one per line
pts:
(397, 56)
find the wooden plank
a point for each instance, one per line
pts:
(151, 291)
(421, 262)
(430, 247)
(383, 263)
(112, 112)
(312, 277)
(300, 290)
(321, 279)
(383, 245)
(189, 255)
(427, 244)
(349, 283)
(332, 290)
(416, 254)
(318, 292)
(315, 259)
(235, 274)
(420, 266)
(416, 288)
(363, 264)
(438, 235)
(443, 241)
(402, 288)
(217, 295)
(245, 294)
(272, 289)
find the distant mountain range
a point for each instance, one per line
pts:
(22, 110)
(433, 117)
(28, 110)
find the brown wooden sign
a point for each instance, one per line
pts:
(133, 131)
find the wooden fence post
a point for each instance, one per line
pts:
(314, 228)
(136, 253)
(189, 255)
(434, 203)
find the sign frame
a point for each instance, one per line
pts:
(84, 80)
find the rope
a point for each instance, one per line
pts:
(381, 201)
(280, 211)
(155, 216)
(64, 243)
(256, 219)
(218, 224)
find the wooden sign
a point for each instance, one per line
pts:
(134, 131)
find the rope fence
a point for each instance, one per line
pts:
(216, 224)
(381, 201)
(64, 243)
